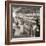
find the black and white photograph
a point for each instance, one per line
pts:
(25, 21)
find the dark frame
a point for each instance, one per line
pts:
(7, 40)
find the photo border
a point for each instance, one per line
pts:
(7, 20)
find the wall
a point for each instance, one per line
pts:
(2, 24)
